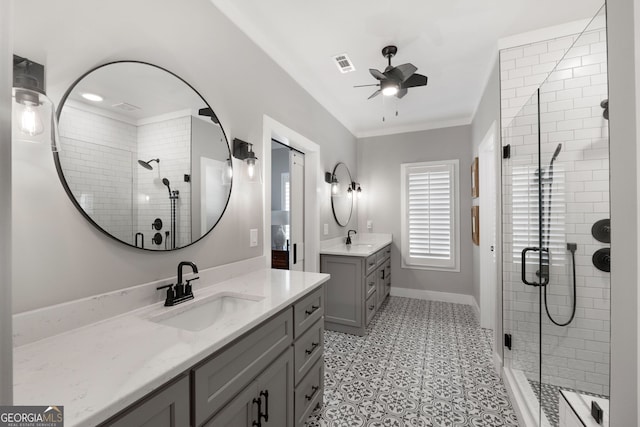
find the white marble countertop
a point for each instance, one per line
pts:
(362, 246)
(97, 370)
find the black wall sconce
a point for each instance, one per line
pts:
(330, 178)
(244, 151)
(355, 186)
(33, 116)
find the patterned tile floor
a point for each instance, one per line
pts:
(423, 363)
(549, 400)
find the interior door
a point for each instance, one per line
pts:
(488, 229)
(296, 254)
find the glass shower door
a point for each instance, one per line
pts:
(525, 260)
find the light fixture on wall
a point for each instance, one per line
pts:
(244, 151)
(330, 178)
(355, 186)
(227, 173)
(33, 116)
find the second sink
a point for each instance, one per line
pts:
(197, 317)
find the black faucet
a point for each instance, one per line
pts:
(182, 292)
(348, 241)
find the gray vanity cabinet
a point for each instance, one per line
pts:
(167, 407)
(268, 398)
(356, 290)
(344, 292)
(271, 377)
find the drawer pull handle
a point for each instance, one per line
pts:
(314, 389)
(372, 263)
(372, 306)
(265, 394)
(313, 310)
(382, 274)
(313, 347)
(259, 422)
(372, 283)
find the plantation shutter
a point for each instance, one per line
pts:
(429, 215)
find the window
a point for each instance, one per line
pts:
(430, 215)
(525, 212)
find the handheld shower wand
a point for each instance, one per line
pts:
(165, 181)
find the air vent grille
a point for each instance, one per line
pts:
(125, 106)
(343, 63)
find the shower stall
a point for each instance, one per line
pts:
(555, 213)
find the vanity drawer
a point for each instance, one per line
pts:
(387, 252)
(308, 349)
(380, 256)
(370, 264)
(308, 394)
(370, 284)
(221, 377)
(307, 311)
(370, 307)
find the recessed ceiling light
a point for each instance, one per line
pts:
(92, 97)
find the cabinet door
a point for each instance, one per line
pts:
(275, 388)
(380, 286)
(168, 407)
(241, 411)
(344, 290)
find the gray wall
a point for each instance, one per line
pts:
(624, 135)
(58, 255)
(6, 347)
(488, 111)
(379, 160)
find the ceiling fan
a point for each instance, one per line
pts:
(395, 80)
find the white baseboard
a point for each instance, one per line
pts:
(477, 307)
(432, 295)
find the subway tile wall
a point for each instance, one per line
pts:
(97, 156)
(577, 355)
(100, 158)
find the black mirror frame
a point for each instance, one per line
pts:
(333, 209)
(63, 180)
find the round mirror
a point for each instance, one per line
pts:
(342, 194)
(143, 156)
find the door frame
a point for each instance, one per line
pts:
(489, 221)
(273, 129)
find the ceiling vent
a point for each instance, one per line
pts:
(125, 106)
(343, 63)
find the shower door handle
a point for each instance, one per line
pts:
(545, 280)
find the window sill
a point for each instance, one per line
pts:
(455, 269)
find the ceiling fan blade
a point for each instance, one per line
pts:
(401, 93)
(377, 74)
(376, 93)
(405, 71)
(375, 84)
(414, 81)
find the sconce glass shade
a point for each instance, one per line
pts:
(359, 192)
(33, 118)
(252, 167)
(227, 173)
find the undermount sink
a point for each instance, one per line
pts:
(360, 245)
(202, 314)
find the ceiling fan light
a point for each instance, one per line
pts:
(389, 88)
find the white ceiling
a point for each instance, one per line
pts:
(453, 42)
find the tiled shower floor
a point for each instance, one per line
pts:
(423, 363)
(549, 399)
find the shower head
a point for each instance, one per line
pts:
(147, 164)
(165, 181)
(555, 153)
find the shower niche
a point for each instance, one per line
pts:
(555, 210)
(143, 156)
